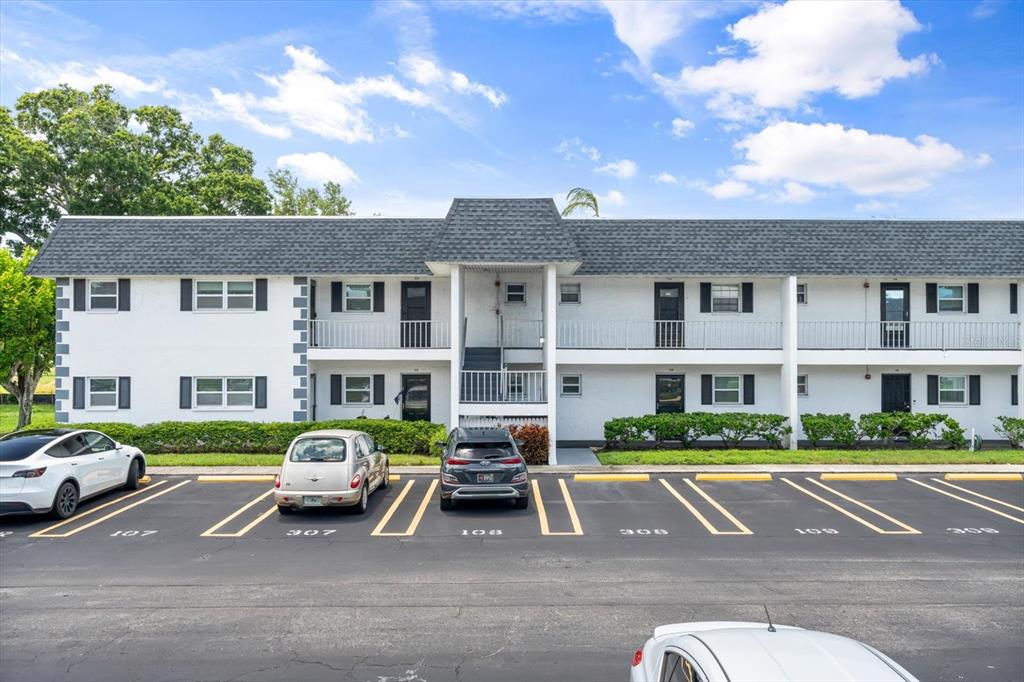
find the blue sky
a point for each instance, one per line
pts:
(800, 109)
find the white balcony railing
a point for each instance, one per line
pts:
(909, 335)
(684, 334)
(521, 333)
(370, 334)
(502, 386)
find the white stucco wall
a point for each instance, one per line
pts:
(440, 389)
(484, 301)
(439, 297)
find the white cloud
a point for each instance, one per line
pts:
(555, 11)
(80, 76)
(727, 189)
(793, 193)
(830, 155)
(680, 127)
(237, 107)
(428, 73)
(664, 178)
(613, 198)
(800, 49)
(573, 148)
(622, 169)
(874, 206)
(318, 167)
(646, 25)
(985, 9)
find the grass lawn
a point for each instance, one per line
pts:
(212, 459)
(42, 417)
(647, 457)
(46, 385)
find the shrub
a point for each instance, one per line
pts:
(535, 442)
(771, 428)
(917, 428)
(685, 428)
(682, 428)
(1012, 428)
(621, 431)
(840, 429)
(953, 434)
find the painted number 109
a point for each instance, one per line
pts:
(816, 531)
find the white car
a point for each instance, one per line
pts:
(53, 470)
(740, 652)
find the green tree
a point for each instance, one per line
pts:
(290, 199)
(27, 327)
(580, 199)
(66, 151)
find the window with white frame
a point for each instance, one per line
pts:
(801, 294)
(727, 389)
(103, 294)
(358, 298)
(102, 393)
(801, 385)
(225, 294)
(516, 385)
(234, 393)
(953, 390)
(572, 384)
(951, 298)
(725, 298)
(358, 389)
(569, 293)
(515, 292)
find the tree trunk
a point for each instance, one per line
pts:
(25, 410)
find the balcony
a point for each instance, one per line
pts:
(378, 334)
(940, 336)
(503, 387)
(669, 334)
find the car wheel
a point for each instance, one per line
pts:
(447, 504)
(387, 475)
(522, 502)
(133, 476)
(66, 501)
(361, 507)
(284, 511)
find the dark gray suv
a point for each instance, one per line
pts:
(482, 464)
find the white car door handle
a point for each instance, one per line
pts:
(74, 464)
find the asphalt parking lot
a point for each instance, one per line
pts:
(191, 580)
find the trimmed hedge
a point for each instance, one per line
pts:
(686, 427)
(917, 428)
(1013, 429)
(415, 438)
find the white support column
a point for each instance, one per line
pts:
(550, 366)
(790, 404)
(455, 334)
(1020, 334)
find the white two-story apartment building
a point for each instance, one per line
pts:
(503, 311)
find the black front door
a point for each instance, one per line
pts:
(668, 314)
(895, 315)
(415, 315)
(312, 312)
(416, 397)
(895, 393)
(669, 393)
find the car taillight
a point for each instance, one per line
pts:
(511, 460)
(520, 477)
(456, 461)
(29, 473)
(356, 480)
(277, 481)
(638, 657)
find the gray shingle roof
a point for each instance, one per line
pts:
(503, 230)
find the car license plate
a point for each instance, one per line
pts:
(312, 501)
(485, 478)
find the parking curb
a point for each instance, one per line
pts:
(752, 476)
(994, 476)
(859, 476)
(621, 478)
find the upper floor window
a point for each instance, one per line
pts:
(801, 294)
(103, 294)
(102, 393)
(227, 392)
(515, 292)
(225, 295)
(358, 298)
(569, 293)
(727, 389)
(951, 298)
(953, 390)
(725, 298)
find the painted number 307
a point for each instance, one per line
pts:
(643, 531)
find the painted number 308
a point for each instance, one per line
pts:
(643, 531)
(957, 531)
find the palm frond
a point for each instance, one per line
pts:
(580, 199)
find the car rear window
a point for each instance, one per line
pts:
(484, 450)
(16, 447)
(319, 450)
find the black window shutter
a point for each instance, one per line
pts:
(748, 389)
(124, 294)
(1013, 298)
(186, 294)
(185, 393)
(261, 391)
(1014, 389)
(972, 297)
(933, 389)
(747, 296)
(378, 389)
(378, 297)
(124, 393)
(705, 388)
(705, 297)
(79, 294)
(337, 298)
(974, 389)
(261, 293)
(78, 393)
(931, 297)
(335, 389)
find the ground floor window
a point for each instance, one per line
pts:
(953, 390)
(801, 385)
(103, 393)
(572, 384)
(358, 389)
(669, 393)
(727, 389)
(224, 392)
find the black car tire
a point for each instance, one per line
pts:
(387, 475)
(360, 507)
(65, 502)
(132, 483)
(522, 502)
(447, 504)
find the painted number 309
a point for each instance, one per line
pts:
(643, 531)
(957, 531)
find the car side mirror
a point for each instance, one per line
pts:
(441, 444)
(118, 446)
(520, 442)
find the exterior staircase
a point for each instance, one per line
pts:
(475, 387)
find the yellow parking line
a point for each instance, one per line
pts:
(212, 531)
(414, 524)
(231, 478)
(99, 508)
(964, 499)
(725, 512)
(45, 533)
(542, 514)
(145, 479)
(734, 477)
(594, 478)
(977, 494)
(700, 517)
(854, 476)
(984, 477)
(863, 522)
(394, 477)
